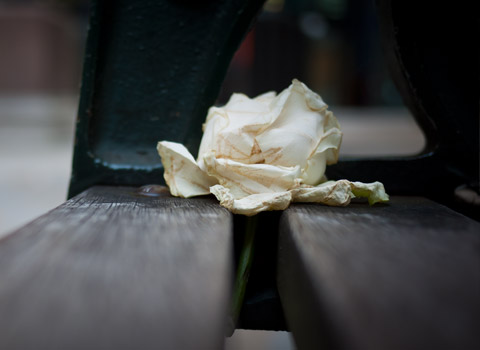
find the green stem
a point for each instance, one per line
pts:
(243, 271)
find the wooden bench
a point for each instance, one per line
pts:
(399, 276)
(112, 268)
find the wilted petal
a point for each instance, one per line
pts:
(295, 133)
(340, 193)
(217, 120)
(252, 204)
(375, 191)
(246, 179)
(182, 174)
(314, 171)
(334, 193)
(331, 139)
(266, 97)
(230, 131)
(324, 154)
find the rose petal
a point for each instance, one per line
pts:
(182, 174)
(230, 131)
(340, 193)
(375, 191)
(334, 193)
(246, 179)
(253, 204)
(294, 134)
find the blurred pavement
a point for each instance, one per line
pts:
(36, 140)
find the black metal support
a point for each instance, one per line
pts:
(428, 62)
(152, 68)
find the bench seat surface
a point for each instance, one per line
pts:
(404, 275)
(112, 269)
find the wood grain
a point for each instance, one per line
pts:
(110, 269)
(400, 276)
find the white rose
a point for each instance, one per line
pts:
(263, 153)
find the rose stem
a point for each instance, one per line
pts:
(243, 271)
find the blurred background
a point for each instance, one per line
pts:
(331, 45)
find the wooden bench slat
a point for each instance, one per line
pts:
(110, 269)
(400, 276)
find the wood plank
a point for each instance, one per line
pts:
(110, 269)
(400, 276)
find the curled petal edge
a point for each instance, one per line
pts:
(182, 174)
(252, 204)
(332, 193)
(340, 193)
